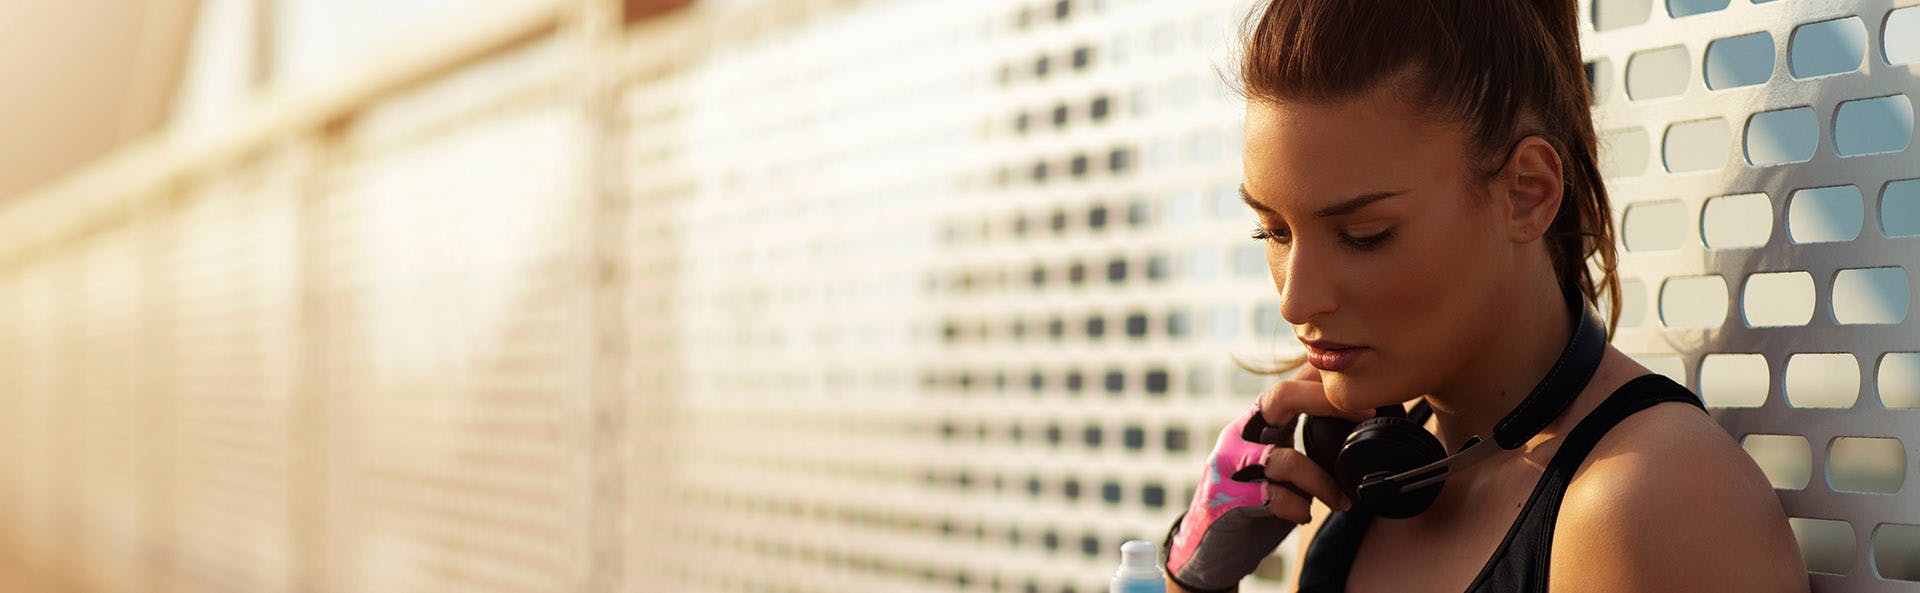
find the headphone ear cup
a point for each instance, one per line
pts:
(1389, 446)
(1325, 436)
(1322, 437)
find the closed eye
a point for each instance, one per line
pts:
(1367, 242)
(1362, 243)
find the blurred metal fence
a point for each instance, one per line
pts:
(852, 296)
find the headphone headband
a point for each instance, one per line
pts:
(1563, 382)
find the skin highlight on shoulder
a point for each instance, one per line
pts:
(1668, 501)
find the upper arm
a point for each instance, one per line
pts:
(1667, 501)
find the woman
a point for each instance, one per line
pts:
(1424, 179)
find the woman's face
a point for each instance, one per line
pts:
(1381, 240)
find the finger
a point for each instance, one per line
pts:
(1307, 372)
(1289, 465)
(1257, 430)
(1285, 504)
(1294, 489)
(1286, 400)
(1252, 473)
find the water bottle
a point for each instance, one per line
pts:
(1139, 569)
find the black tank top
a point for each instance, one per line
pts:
(1519, 564)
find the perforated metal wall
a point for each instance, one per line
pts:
(352, 361)
(224, 345)
(451, 266)
(829, 296)
(1760, 156)
(957, 285)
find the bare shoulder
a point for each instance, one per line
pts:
(1668, 501)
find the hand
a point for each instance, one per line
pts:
(1292, 479)
(1256, 489)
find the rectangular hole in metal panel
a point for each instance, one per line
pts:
(1736, 221)
(1827, 47)
(1655, 226)
(1824, 214)
(1777, 299)
(1896, 551)
(1734, 380)
(1864, 464)
(1871, 296)
(1898, 380)
(1900, 36)
(1827, 546)
(1781, 137)
(1693, 302)
(1822, 380)
(1786, 459)
(1900, 208)
(1738, 61)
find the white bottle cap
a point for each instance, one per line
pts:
(1139, 559)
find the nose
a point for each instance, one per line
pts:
(1305, 282)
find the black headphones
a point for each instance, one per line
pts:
(1390, 466)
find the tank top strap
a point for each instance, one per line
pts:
(1329, 557)
(1633, 396)
(1520, 563)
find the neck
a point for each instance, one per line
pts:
(1522, 347)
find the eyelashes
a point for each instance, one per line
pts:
(1362, 243)
(1262, 234)
(1368, 242)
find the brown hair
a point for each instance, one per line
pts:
(1504, 69)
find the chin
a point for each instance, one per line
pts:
(1352, 393)
(1341, 389)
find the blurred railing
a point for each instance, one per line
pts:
(603, 295)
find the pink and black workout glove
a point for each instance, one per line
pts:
(1227, 530)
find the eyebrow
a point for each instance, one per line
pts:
(1347, 207)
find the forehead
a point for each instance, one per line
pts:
(1306, 153)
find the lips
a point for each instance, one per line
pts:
(1326, 344)
(1331, 356)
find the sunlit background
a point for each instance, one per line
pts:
(785, 296)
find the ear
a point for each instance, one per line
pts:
(1533, 184)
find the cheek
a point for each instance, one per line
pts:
(1413, 284)
(1422, 301)
(1445, 262)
